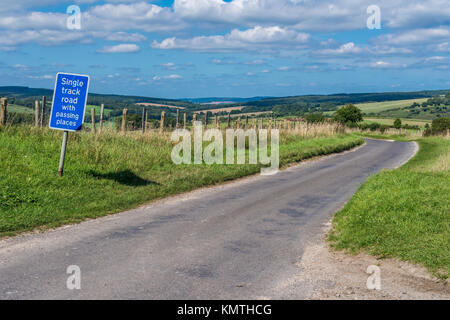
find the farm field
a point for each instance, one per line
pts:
(19, 109)
(97, 110)
(390, 121)
(403, 213)
(213, 111)
(147, 104)
(376, 107)
(109, 173)
(250, 114)
(429, 113)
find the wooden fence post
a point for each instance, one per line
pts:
(184, 120)
(238, 123)
(124, 120)
(161, 126)
(246, 122)
(218, 122)
(254, 123)
(3, 111)
(206, 120)
(143, 120)
(93, 119)
(43, 106)
(36, 113)
(102, 113)
(194, 118)
(229, 119)
(146, 120)
(178, 118)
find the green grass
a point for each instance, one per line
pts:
(403, 213)
(109, 173)
(386, 105)
(390, 121)
(97, 110)
(431, 113)
(377, 107)
(19, 109)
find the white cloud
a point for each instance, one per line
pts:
(167, 77)
(304, 14)
(380, 64)
(21, 66)
(443, 47)
(250, 39)
(43, 77)
(255, 62)
(346, 48)
(136, 16)
(120, 48)
(173, 76)
(416, 36)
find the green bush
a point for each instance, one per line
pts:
(314, 118)
(440, 126)
(348, 114)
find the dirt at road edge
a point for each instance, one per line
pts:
(346, 276)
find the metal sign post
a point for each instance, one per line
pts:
(68, 107)
(63, 153)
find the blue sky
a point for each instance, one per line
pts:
(239, 48)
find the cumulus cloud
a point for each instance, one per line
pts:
(436, 62)
(386, 65)
(120, 48)
(250, 39)
(265, 23)
(346, 48)
(168, 77)
(173, 76)
(417, 36)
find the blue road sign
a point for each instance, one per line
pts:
(69, 102)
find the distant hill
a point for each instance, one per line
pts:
(217, 100)
(93, 98)
(293, 105)
(24, 96)
(299, 105)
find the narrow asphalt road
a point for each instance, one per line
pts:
(236, 241)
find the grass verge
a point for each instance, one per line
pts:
(403, 213)
(109, 173)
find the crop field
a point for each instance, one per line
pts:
(19, 109)
(97, 110)
(390, 121)
(147, 104)
(376, 107)
(213, 111)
